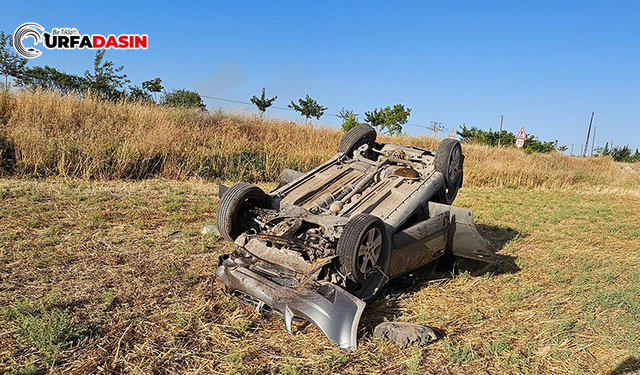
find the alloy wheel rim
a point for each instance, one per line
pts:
(454, 162)
(369, 250)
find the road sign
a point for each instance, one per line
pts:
(452, 133)
(520, 138)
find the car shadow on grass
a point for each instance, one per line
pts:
(499, 237)
(628, 366)
(445, 268)
(387, 306)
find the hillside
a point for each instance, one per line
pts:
(43, 134)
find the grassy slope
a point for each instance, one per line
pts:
(43, 134)
(93, 261)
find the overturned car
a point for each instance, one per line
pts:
(323, 243)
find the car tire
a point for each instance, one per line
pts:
(356, 137)
(363, 254)
(233, 207)
(449, 161)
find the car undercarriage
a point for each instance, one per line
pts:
(325, 242)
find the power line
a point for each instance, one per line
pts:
(287, 108)
(249, 103)
(420, 126)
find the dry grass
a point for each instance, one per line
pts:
(46, 135)
(96, 259)
(43, 134)
(92, 282)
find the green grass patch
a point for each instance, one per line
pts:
(44, 325)
(459, 352)
(335, 358)
(415, 362)
(562, 329)
(173, 203)
(29, 193)
(519, 294)
(626, 298)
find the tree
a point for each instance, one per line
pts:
(308, 108)
(436, 127)
(263, 103)
(182, 98)
(508, 139)
(349, 119)
(622, 154)
(389, 118)
(532, 144)
(11, 63)
(104, 82)
(49, 78)
(153, 85)
(562, 148)
(490, 138)
(139, 95)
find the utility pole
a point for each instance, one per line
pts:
(500, 134)
(586, 146)
(581, 149)
(571, 154)
(594, 140)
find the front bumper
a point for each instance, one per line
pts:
(333, 310)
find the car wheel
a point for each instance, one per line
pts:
(356, 137)
(449, 161)
(232, 216)
(363, 254)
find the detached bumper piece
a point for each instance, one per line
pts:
(333, 310)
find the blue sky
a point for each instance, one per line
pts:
(544, 65)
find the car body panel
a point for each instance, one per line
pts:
(328, 306)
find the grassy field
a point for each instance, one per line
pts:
(103, 268)
(94, 279)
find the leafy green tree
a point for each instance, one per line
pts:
(622, 154)
(105, 82)
(468, 135)
(482, 137)
(49, 78)
(508, 139)
(182, 98)
(154, 86)
(308, 108)
(532, 144)
(389, 118)
(436, 127)
(11, 63)
(263, 103)
(139, 95)
(349, 119)
(562, 148)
